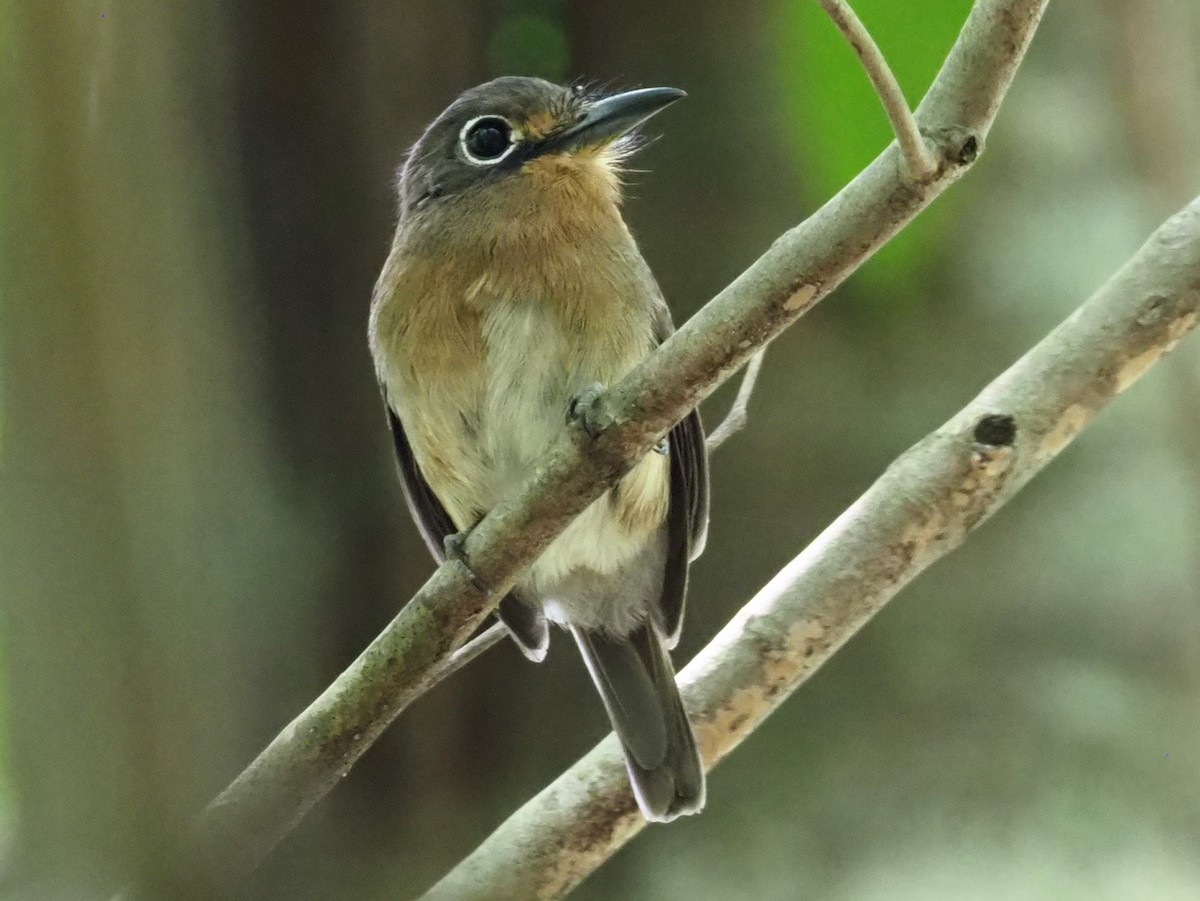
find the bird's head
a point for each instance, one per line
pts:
(517, 149)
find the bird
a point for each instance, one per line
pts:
(512, 293)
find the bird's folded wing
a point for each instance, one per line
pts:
(525, 623)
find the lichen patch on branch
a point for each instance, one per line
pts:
(1069, 424)
(1136, 367)
(800, 298)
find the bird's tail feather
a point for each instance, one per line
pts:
(637, 683)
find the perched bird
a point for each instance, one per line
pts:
(512, 290)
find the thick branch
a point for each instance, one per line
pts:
(923, 507)
(921, 164)
(317, 749)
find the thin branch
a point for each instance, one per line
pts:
(492, 635)
(735, 419)
(923, 507)
(803, 266)
(921, 164)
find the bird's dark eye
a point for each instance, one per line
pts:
(487, 139)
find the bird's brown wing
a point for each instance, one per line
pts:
(427, 511)
(525, 623)
(687, 512)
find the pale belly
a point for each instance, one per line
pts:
(532, 371)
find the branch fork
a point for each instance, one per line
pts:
(922, 166)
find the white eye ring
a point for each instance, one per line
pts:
(514, 136)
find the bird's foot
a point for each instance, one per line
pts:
(453, 545)
(587, 409)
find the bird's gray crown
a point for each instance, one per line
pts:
(488, 131)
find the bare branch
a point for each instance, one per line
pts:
(802, 267)
(735, 419)
(492, 635)
(921, 164)
(923, 507)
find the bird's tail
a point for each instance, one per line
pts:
(637, 682)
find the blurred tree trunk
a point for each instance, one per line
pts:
(147, 548)
(328, 97)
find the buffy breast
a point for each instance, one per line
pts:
(485, 339)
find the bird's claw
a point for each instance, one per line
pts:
(585, 408)
(453, 546)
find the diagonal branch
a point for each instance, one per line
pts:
(802, 267)
(923, 507)
(734, 421)
(921, 164)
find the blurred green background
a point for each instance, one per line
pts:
(200, 524)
